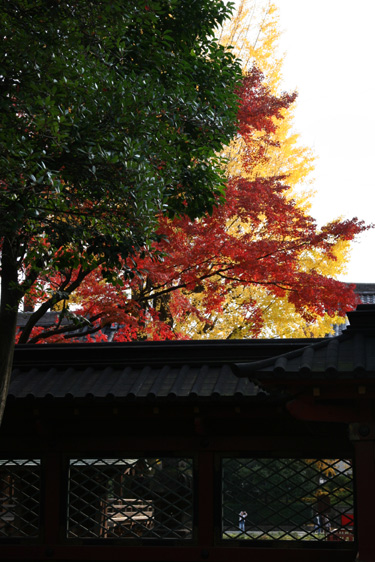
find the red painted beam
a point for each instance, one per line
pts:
(175, 554)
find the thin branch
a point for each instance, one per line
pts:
(71, 328)
(47, 305)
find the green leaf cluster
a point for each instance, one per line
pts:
(112, 112)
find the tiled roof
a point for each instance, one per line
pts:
(186, 370)
(365, 288)
(130, 382)
(352, 354)
(142, 370)
(366, 292)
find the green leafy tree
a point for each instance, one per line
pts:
(112, 113)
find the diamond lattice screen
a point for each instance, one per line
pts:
(287, 499)
(128, 498)
(19, 498)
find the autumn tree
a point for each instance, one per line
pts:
(254, 32)
(112, 114)
(258, 266)
(204, 272)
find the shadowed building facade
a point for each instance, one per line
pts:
(149, 451)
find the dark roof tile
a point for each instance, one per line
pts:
(146, 382)
(350, 354)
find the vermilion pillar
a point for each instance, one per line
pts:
(363, 437)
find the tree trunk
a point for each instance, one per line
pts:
(10, 298)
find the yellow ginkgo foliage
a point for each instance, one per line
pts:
(253, 34)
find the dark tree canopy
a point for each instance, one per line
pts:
(112, 112)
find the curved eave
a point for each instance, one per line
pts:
(348, 357)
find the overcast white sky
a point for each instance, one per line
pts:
(330, 60)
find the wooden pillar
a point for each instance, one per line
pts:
(363, 437)
(54, 484)
(206, 521)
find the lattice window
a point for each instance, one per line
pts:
(287, 499)
(128, 498)
(19, 497)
